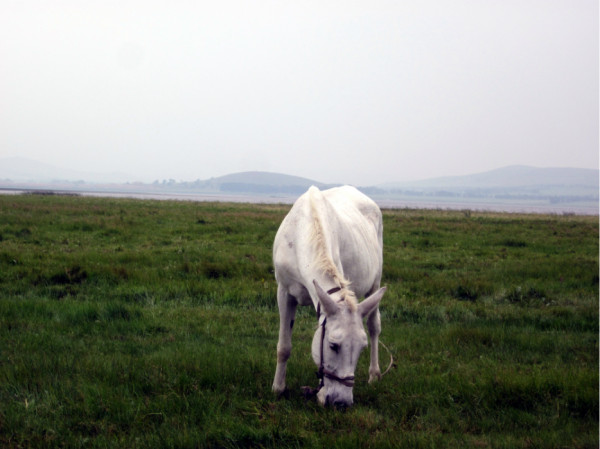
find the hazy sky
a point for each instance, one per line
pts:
(359, 92)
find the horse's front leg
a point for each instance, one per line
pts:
(374, 327)
(287, 312)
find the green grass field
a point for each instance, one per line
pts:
(130, 323)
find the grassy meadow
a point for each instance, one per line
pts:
(131, 323)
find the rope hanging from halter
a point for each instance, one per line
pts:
(323, 373)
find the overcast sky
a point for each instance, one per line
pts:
(358, 92)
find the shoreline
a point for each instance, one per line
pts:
(384, 203)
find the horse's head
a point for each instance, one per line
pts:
(338, 342)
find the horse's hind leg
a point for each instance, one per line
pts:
(287, 312)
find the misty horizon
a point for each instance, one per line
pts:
(19, 169)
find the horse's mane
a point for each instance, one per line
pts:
(324, 262)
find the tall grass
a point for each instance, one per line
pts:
(127, 323)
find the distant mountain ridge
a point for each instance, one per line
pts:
(511, 179)
(511, 176)
(508, 179)
(572, 190)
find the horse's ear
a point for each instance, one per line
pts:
(327, 304)
(369, 304)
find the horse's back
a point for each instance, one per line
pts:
(353, 224)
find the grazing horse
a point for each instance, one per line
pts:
(327, 252)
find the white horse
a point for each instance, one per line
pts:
(327, 252)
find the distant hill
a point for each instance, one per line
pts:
(258, 182)
(515, 176)
(264, 178)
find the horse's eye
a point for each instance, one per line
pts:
(334, 347)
